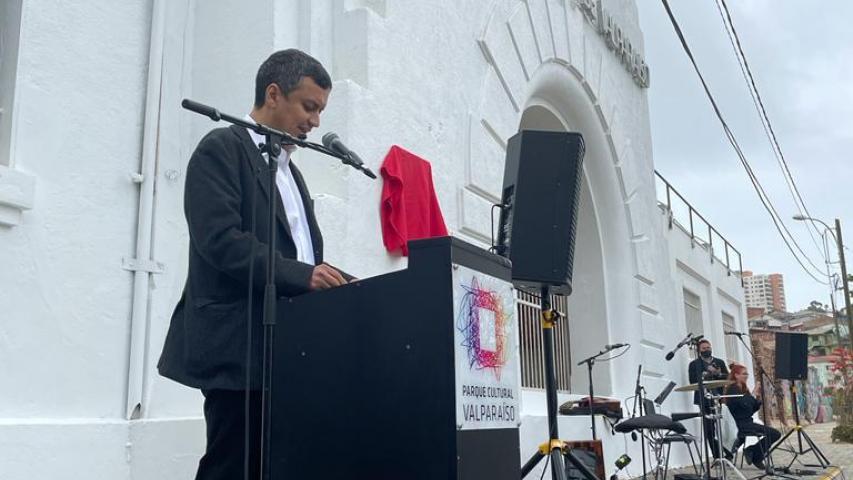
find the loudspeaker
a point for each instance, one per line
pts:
(590, 453)
(540, 206)
(791, 356)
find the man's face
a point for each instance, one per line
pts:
(704, 347)
(298, 112)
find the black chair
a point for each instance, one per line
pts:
(688, 440)
(661, 432)
(738, 443)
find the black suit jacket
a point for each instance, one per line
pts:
(697, 368)
(206, 343)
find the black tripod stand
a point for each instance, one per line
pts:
(769, 469)
(555, 449)
(823, 462)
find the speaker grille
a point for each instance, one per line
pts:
(791, 356)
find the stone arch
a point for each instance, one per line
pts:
(537, 76)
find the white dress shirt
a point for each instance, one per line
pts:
(294, 209)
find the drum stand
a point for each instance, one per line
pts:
(722, 463)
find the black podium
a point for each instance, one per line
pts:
(366, 382)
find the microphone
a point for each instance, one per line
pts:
(202, 109)
(333, 142)
(680, 344)
(739, 334)
(615, 346)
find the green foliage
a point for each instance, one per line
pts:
(842, 433)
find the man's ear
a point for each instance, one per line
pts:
(273, 94)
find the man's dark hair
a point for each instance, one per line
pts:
(286, 68)
(704, 340)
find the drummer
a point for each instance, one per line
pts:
(710, 368)
(742, 409)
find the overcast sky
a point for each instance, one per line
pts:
(801, 56)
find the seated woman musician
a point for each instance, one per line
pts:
(742, 408)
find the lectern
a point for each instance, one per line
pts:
(409, 375)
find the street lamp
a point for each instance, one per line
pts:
(844, 283)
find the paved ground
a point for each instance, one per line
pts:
(840, 456)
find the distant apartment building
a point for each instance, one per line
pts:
(766, 291)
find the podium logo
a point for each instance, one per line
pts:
(483, 322)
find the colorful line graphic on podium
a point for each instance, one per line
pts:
(487, 376)
(482, 321)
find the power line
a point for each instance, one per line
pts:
(734, 39)
(762, 196)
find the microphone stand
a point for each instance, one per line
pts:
(281, 137)
(694, 343)
(273, 142)
(638, 396)
(589, 363)
(637, 388)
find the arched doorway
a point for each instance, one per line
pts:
(587, 314)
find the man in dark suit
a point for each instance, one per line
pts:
(206, 346)
(709, 368)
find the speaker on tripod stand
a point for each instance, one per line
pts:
(792, 364)
(539, 207)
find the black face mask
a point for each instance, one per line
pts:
(706, 354)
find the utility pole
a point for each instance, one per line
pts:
(844, 283)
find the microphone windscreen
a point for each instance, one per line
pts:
(328, 138)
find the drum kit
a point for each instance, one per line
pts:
(660, 431)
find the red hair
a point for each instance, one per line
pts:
(735, 369)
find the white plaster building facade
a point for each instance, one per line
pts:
(93, 146)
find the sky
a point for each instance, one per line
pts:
(801, 57)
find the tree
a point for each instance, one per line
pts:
(842, 368)
(815, 306)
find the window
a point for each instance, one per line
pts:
(693, 313)
(10, 29)
(731, 340)
(530, 338)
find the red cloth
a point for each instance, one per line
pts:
(409, 208)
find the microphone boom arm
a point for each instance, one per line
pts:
(264, 130)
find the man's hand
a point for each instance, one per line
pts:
(324, 276)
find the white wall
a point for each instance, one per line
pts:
(448, 80)
(64, 298)
(719, 290)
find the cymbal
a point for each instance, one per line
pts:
(710, 384)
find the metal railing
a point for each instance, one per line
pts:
(530, 338)
(701, 232)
